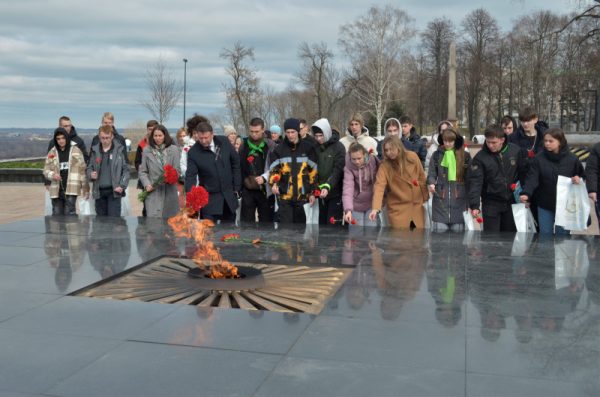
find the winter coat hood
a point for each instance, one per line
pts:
(364, 131)
(324, 126)
(458, 142)
(391, 119)
(61, 131)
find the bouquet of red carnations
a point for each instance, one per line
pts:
(169, 177)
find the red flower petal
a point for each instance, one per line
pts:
(479, 219)
(353, 221)
(250, 159)
(317, 193)
(196, 198)
(530, 154)
(276, 178)
(332, 220)
(415, 182)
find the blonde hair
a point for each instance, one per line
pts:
(108, 115)
(181, 131)
(400, 162)
(229, 129)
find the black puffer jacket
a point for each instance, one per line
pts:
(492, 174)
(543, 173)
(592, 169)
(331, 160)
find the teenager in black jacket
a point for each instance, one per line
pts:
(542, 177)
(494, 169)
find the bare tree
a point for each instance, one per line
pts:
(435, 40)
(374, 44)
(241, 93)
(316, 60)
(164, 89)
(480, 32)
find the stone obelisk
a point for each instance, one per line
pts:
(452, 83)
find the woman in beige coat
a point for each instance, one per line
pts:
(401, 175)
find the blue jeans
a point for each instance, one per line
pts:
(546, 223)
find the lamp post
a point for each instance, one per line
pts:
(184, 87)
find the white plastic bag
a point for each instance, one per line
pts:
(238, 212)
(125, 204)
(312, 213)
(572, 204)
(427, 207)
(521, 244)
(571, 262)
(524, 220)
(47, 204)
(470, 223)
(86, 207)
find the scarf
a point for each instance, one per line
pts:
(160, 155)
(254, 148)
(449, 161)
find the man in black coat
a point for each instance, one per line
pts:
(254, 164)
(494, 169)
(214, 164)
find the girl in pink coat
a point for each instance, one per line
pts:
(359, 178)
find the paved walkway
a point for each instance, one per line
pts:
(22, 201)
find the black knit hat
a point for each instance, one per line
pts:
(291, 124)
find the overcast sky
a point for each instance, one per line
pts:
(82, 58)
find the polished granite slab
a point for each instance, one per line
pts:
(421, 314)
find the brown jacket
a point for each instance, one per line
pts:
(76, 183)
(405, 194)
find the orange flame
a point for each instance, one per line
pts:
(206, 253)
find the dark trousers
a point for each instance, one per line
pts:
(291, 212)
(108, 204)
(330, 208)
(253, 201)
(63, 205)
(226, 216)
(498, 217)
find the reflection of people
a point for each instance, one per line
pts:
(109, 245)
(64, 246)
(399, 276)
(150, 240)
(446, 283)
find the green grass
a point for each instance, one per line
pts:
(39, 164)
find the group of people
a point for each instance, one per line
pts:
(353, 179)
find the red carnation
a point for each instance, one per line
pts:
(317, 193)
(196, 198)
(530, 154)
(250, 159)
(51, 156)
(98, 160)
(415, 182)
(332, 220)
(186, 149)
(230, 236)
(479, 219)
(513, 187)
(371, 151)
(276, 178)
(171, 176)
(353, 221)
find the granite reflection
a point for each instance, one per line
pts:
(495, 308)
